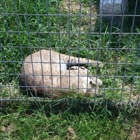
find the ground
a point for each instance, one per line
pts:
(33, 25)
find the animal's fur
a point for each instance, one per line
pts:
(45, 72)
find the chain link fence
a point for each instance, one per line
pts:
(76, 28)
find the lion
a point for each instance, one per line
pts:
(52, 74)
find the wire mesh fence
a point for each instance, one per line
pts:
(78, 29)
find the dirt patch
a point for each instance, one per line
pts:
(89, 12)
(130, 94)
(71, 135)
(7, 129)
(9, 90)
(135, 131)
(74, 7)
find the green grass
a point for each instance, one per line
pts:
(23, 122)
(31, 26)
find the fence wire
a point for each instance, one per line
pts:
(75, 28)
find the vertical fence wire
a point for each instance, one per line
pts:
(102, 52)
(132, 30)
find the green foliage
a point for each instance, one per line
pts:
(27, 26)
(23, 123)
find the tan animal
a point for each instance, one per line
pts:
(45, 73)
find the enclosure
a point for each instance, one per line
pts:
(75, 28)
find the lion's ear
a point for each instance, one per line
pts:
(83, 68)
(96, 81)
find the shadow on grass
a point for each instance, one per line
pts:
(103, 107)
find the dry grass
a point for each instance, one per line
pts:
(9, 90)
(135, 131)
(74, 7)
